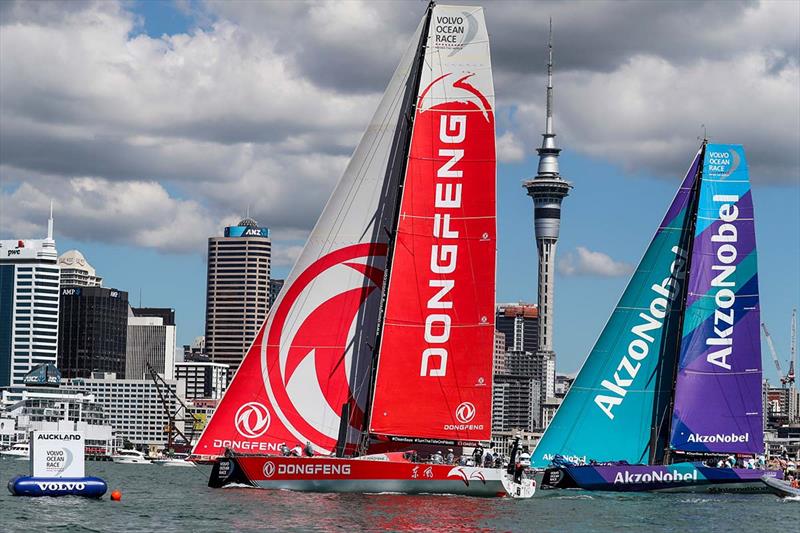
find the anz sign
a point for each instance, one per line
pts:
(246, 231)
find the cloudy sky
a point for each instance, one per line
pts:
(154, 124)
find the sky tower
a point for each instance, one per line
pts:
(547, 189)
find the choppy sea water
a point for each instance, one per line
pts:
(159, 498)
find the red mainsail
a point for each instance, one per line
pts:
(434, 377)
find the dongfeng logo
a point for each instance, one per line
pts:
(465, 412)
(252, 420)
(269, 469)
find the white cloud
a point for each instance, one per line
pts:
(585, 262)
(264, 102)
(133, 212)
(509, 148)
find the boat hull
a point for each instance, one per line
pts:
(327, 474)
(678, 477)
(780, 487)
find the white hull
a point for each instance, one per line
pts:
(130, 460)
(172, 462)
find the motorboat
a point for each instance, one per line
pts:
(19, 450)
(130, 457)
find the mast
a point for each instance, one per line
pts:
(407, 116)
(659, 439)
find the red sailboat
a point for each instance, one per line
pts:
(381, 341)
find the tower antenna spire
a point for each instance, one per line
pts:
(549, 124)
(50, 222)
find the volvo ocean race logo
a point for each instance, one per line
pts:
(309, 345)
(465, 412)
(252, 420)
(269, 469)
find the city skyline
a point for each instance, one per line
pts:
(625, 171)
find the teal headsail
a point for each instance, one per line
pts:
(620, 396)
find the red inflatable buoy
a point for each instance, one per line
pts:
(116, 495)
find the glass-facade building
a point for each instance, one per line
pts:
(93, 331)
(29, 295)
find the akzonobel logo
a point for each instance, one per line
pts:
(252, 420)
(719, 437)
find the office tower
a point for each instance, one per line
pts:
(202, 379)
(150, 341)
(92, 331)
(29, 293)
(76, 271)
(237, 295)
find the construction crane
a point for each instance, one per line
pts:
(774, 354)
(792, 349)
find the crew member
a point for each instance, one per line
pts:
(309, 450)
(297, 451)
(477, 455)
(285, 449)
(451, 458)
(436, 458)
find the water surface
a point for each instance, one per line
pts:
(158, 498)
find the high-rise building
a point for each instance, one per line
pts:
(237, 297)
(275, 286)
(519, 322)
(166, 314)
(548, 190)
(92, 332)
(151, 342)
(76, 271)
(202, 379)
(29, 291)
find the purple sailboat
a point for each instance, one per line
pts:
(691, 349)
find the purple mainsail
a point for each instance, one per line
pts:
(717, 404)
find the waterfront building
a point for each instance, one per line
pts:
(150, 341)
(134, 407)
(202, 379)
(92, 330)
(548, 189)
(29, 293)
(76, 271)
(43, 405)
(237, 297)
(275, 286)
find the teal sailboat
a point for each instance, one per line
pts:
(673, 383)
